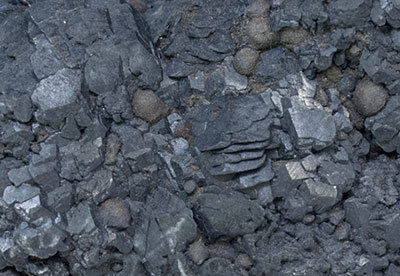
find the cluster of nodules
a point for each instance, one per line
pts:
(235, 137)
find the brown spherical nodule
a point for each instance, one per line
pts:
(138, 5)
(369, 98)
(245, 61)
(115, 213)
(259, 8)
(148, 106)
(260, 33)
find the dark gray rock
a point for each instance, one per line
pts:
(48, 153)
(42, 242)
(145, 67)
(56, 96)
(80, 220)
(289, 176)
(337, 175)
(219, 159)
(115, 213)
(377, 67)
(70, 130)
(324, 59)
(217, 266)
(228, 215)
(384, 126)
(347, 84)
(45, 175)
(285, 14)
(275, 64)
(178, 69)
(233, 124)
(44, 61)
(22, 108)
(242, 166)
(259, 176)
(19, 176)
(164, 227)
(99, 187)
(60, 199)
(320, 195)
(349, 14)
(295, 207)
(102, 72)
(311, 128)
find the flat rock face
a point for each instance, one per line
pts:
(57, 94)
(275, 64)
(315, 127)
(216, 214)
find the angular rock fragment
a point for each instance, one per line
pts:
(42, 242)
(218, 266)
(45, 175)
(357, 213)
(19, 194)
(337, 175)
(198, 252)
(60, 199)
(102, 73)
(228, 215)
(100, 187)
(311, 128)
(19, 176)
(384, 125)
(349, 14)
(31, 209)
(275, 64)
(44, 61)
(256, 177)
(322, 196)
(289, 176)
(80, 220)
(242, 166)
(56, 96)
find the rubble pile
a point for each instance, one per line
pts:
(199, 137)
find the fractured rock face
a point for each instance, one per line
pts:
(56, 96)
(385, 126)
(228, 215)
(315, 128)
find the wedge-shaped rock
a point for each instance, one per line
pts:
(243, 166)
(220, 159)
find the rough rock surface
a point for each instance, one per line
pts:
(187, 137)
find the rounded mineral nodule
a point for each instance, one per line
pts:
(369, 98)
